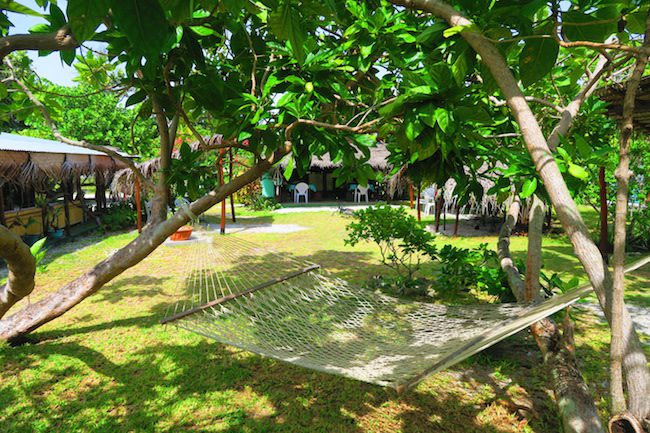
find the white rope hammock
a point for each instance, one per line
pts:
(273, 305)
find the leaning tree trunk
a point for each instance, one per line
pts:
(635, 363)
(623, 175)
(21, 266)
(56, 304)
(576, 405)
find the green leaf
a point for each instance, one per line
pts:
(536, 60)
(529, 188)
(285, 23)
(85, 16)
(138, 96)
(588, 28)
(12, 6)
(67, 56)
(289, 170)
(578, 172)
(412, 128)
(57, 19)
(451, 31)
(144, 23)
(3, 91)
(443, 119)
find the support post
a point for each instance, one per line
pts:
(232, 198)
(66, 208)
(138, 204)
(411, 194)
(3, 221)
(223, 202)
(603, 244)
(419, 215)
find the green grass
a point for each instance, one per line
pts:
(107, 366)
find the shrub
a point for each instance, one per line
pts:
(259, 203)
(248, 193)
(402, 241)
(120, 216)
(463, 270)
(639, 230)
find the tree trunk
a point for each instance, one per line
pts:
(161, 198)
(623, 174)
(515, 281)
(534, 256)
(575, 403)
(22, 267)
(603, 243)
(56, 304)
(635, 363)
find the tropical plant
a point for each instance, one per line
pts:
(402, 241)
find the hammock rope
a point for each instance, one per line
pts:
(307, 317)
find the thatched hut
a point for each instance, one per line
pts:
(322, 178)
(49, 172)
(614, 95)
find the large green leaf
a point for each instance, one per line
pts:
(12, 6)
(529, 187)
(537, 58)
(144, 23)
(85, 16)
(586, 27)
(285, 24)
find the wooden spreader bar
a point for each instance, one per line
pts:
(239, 295)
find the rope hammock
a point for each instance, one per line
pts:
(291, 310)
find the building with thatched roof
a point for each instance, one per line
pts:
(38, 174)
(321, 174)
(614, 95)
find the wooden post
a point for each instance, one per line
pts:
(138, 204)
(603, 245)
(3, 221)
(232, 199)
(223, 202)
(66, 209)
(411, 194)
(419, 216)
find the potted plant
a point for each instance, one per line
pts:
(41, 201)
(29, 239)
(184, 232)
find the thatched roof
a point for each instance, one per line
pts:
(378, 159)
(30, 160)
(615, 93)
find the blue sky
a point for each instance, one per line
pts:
(50, 66)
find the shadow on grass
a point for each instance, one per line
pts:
(140, 394)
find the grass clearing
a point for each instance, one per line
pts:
(108, 366)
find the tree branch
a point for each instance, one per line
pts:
(60, 40)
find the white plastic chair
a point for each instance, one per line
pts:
(302, 190)
(360, 191)
(428, 200)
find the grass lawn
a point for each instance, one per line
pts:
(107, 366)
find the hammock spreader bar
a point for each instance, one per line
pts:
(240, 294)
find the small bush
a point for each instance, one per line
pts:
(402, 241)
(260, 203)
(463, 270)
(639, 230)
(247, 194)
(120, 216)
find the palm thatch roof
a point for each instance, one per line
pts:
(615, 94)
(29, 160)
(378, 159)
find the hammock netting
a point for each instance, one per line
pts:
(274, 305)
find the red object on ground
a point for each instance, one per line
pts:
(138, 204)
(182, 234)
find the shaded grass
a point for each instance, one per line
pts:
(108, 366)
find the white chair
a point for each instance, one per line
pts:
(301, 190)
(360, 191)
(428, 199)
